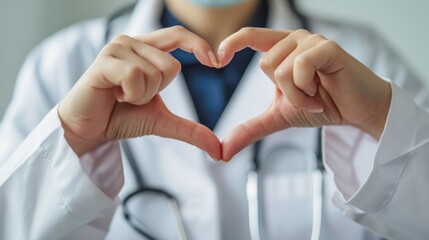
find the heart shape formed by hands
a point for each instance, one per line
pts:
(296, 62)
(118, 96)
(282, 114)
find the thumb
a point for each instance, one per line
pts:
(250, 132)
(172, 126)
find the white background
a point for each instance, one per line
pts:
(23, 24)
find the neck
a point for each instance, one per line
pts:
(212, 24)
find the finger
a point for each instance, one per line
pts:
(172, 126)
(326, 57)
(303, 65)
(164, 62)
(304, 74)
(169, 39)
(276, 55)
(136, 82)
(139, 88)
(259, 39)
(250, 132)
(284, 78)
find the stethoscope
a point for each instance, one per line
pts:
(314, 163)
(253, 186)
(312, 160)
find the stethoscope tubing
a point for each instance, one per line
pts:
(253, 178)
(253, 186)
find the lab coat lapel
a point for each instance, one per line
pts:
(254, 93)
(251, 98)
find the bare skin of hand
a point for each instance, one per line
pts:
(317, 84)
(118, 96)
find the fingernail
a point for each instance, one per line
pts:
(213, 158)
(313, 90)
(315, 110)
(311, 94)
(220, 56)
(213, 59)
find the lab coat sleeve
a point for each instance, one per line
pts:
(353, 156)
(46, 194)
(46, 191)
(391, 199)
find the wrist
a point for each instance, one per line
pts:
(80, 145)
(376, 122)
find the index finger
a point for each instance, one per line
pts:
(258, 39)
(172, 38)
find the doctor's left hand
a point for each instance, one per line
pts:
(317, 84)
(118, 96)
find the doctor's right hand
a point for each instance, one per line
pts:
(118, 96)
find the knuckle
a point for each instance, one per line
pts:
(154, 74)
(316, 38)
(121, 39)
(300, 32)
(111, 49)
(176, 34)
(133, 72)
(330, 45)
(170, 69)
(281, 74)
(140, 48)
(247, 31)
(178, 29)
(266, 63)
(302, 60)
(175, 65)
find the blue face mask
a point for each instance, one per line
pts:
(216, 3)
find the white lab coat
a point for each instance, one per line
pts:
(47, 192)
